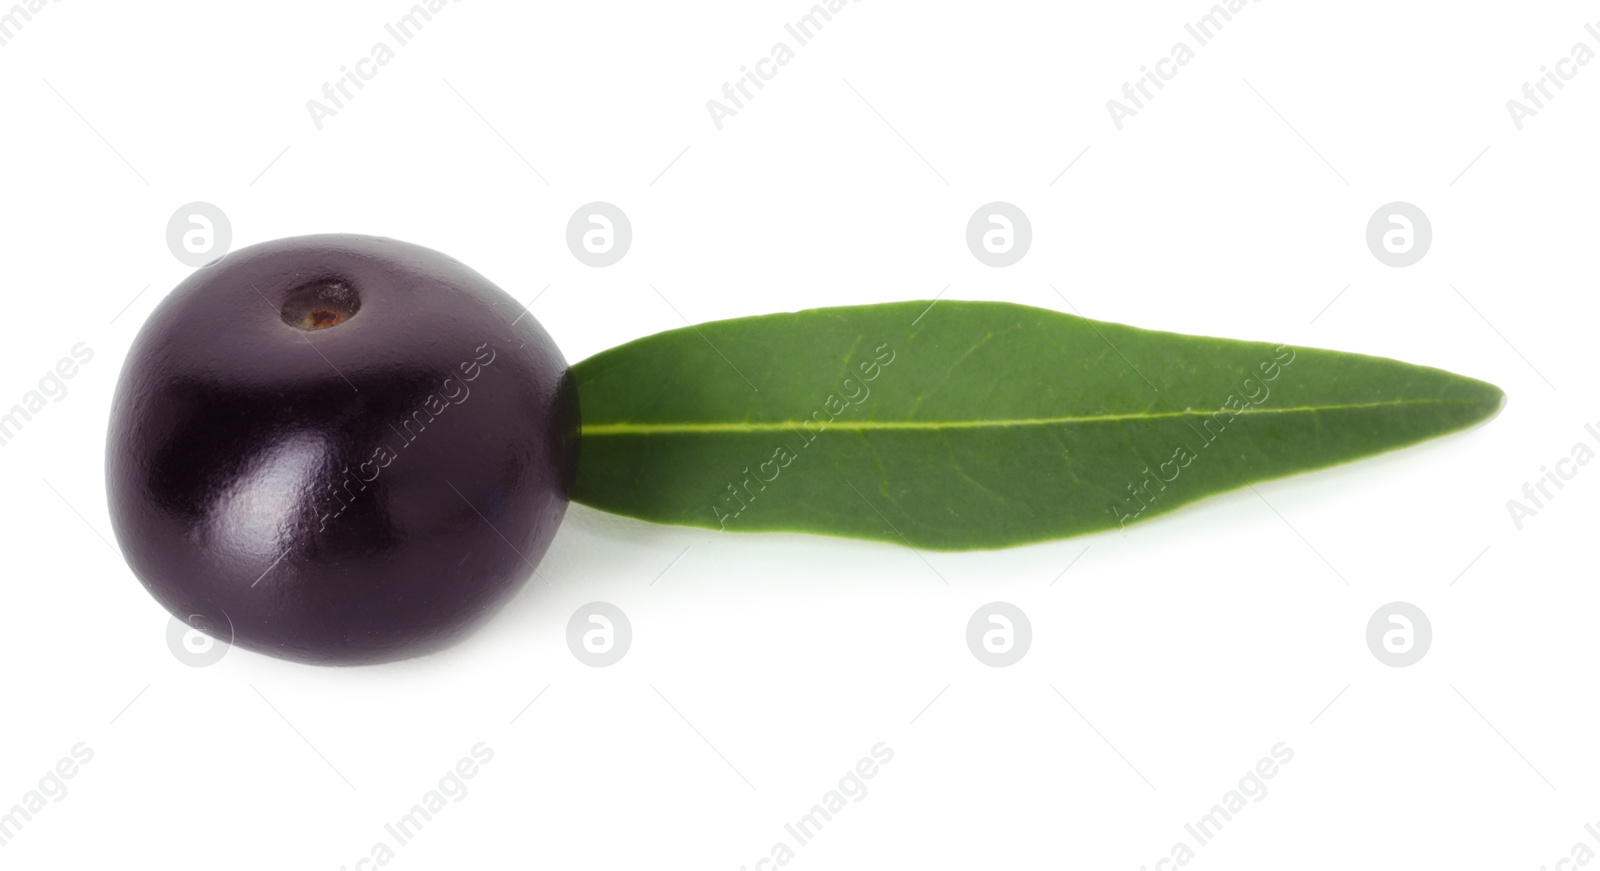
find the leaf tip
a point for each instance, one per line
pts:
(1492, 402)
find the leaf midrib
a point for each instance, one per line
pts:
(629, 428)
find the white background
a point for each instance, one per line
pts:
(1165, 662)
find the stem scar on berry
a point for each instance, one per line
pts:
(320, 305)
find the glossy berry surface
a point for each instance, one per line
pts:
(346, 449)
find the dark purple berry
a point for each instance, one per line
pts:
(353, 449)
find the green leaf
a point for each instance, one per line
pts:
(964, 425)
